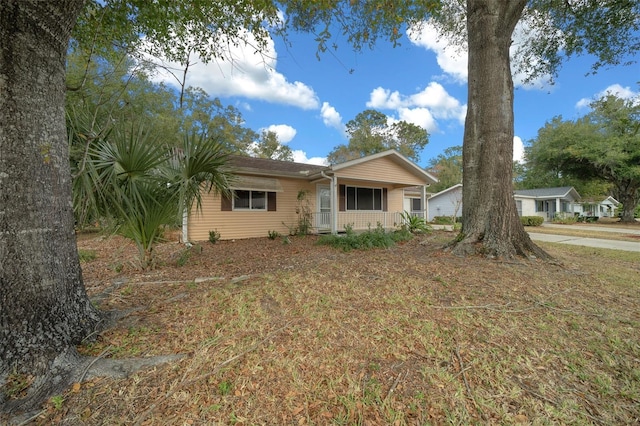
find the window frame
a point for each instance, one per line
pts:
(380, 190)
(251, 198)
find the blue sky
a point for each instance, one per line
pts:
(307, 102)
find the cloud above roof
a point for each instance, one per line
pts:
(247, 73)
(284, 132)
(423, 108)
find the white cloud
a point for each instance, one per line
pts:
(246, 73)
(284, 132)
(518, 149)
(422, 108)
(381, 98)
(300, 156)
(615, 89)
(331, 117)
(452, 59)
(420, 117)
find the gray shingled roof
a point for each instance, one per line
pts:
(544, 192)
(272, 167)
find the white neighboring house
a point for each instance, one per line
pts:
(546, 202)
(597, 207)
(445, 203)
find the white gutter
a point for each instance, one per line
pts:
(423, 202)
(334, 203)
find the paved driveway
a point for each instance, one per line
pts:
(587, 242)
(590, 242)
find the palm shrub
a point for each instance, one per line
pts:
(198, 166)
(144, 186)
(414, 224)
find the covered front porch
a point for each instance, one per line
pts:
(360, 205)
(358, 221)
(362, 193)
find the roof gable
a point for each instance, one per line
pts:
(392, 155)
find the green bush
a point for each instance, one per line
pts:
(414, 224)
(376, 238)
(564, 218)
(273, 234)
(183, 257)
(214, 236)
(531, 220)
(442, 220)
(446, 220)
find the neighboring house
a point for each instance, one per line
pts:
(546, 202)
(272, 195)
(597, 207)
(447, 202)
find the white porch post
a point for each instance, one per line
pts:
(334, 205)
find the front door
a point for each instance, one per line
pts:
(323, 218)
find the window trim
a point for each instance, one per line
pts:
(250, 208)
(356, 188)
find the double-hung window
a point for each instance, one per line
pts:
(250, 200)
(359, 198)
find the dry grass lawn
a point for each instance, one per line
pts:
(304, 334)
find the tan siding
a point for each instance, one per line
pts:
(249, 224)
(381, 169)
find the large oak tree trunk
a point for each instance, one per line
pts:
(44, 309)
(628, 195)
(490, 223)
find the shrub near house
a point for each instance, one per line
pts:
(531, 220)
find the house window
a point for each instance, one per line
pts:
(539, 206)
(250, 200)
(359, 198)
(416, 204)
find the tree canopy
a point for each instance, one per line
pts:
(370, 132)
(604, 145)
(447, 167)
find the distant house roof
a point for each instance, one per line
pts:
(601, 200)
(444, 191)
(558, 192)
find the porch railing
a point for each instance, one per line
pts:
(359, 220)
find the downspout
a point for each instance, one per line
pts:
(334, 204)
(185, 227)
(423, 202)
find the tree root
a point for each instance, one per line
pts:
(521, 249)
(70, 367)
